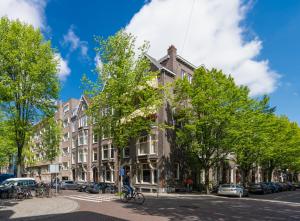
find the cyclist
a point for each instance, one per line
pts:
(126, 184)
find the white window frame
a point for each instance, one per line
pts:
(95, 136)
(66, 138)
(108, 153)
(66, 108)
(126, 156)
(95, 151)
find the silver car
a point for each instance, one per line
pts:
(232, 190)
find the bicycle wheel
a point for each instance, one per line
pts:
(139, 198)
(124, 197)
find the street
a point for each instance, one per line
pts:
(278, 206)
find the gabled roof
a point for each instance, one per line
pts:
(158, 65)
(179, 58)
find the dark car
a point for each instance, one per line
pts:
(259, 188)
(279, 187)
(272, 187)
(83, 187)
(7, 186)
(110, 188)
(69, 185)
(290, 186)
(284, 186)
(96, 188)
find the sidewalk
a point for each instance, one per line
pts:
(31, 209)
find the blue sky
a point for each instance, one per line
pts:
(255, 41)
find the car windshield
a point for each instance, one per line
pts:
(8, 183)
(226, 185)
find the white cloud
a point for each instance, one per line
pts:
(63, 67)
(74, 42)
(206, 32)
(29, 11)
(98, 62)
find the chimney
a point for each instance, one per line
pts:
(172, 52)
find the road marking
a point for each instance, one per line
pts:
(257, 199)
(93, 198)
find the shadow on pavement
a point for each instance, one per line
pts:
(214, 209)
(73, 216)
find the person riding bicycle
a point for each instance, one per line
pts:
(126, 184)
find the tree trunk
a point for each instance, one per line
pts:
(270, 172)
(19, 162)
(206, 172)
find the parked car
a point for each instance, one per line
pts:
(259, 188)
(284, 186)
(279, 187)
(96, 188)
(110, 188)
(69, 185)
(290, 186)
(272, 187)
(7, 186)
(83, 187)
(232, 190)
(297, 185)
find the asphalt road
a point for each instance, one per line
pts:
(280, 206)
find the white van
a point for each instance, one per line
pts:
(22, 182)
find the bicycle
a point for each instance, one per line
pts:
(137, 196)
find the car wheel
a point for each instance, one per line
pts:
(4, 195)
(240, 194)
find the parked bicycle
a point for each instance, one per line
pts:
(136, 196)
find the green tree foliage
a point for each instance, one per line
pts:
(7, 147)
(50, 139)
(29, 83)
(205, 110)
(248, 135)
(125, 97)
(283, 149)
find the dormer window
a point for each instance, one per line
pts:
(183, 74)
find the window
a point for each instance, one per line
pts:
(73, 142)
(108, 174)
(126, 152)
(65, 166)
(182, 74)
(95, 155)
(95, 138)
(147, 144)
(85, 156)
(66, 137)
(143, 145)
(73, 126)
(83, 121)
(190, 78)
(105, 152)
(73, 157)
(66, 122)
(80, 156)
(65, 151)
(83, 137)
(66, 108)
(146, 173)
(112, 153)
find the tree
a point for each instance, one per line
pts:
(204, 112)
(283, 150)
(125, 97)
(248, 134)
(7, 147)
(29, 83)
(50, 138)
